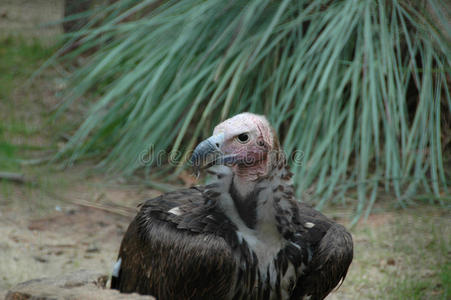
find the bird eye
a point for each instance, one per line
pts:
(243, 138)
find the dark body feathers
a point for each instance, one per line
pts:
(195, 252)
(160, 259)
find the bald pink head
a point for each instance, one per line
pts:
(250, 138)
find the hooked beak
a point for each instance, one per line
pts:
(208, 153)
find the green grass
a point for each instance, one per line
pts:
(401, 254)
(28, 134)
(446, 279)
(437, 287)
(411, 289)
(8, 161)
(19, 59)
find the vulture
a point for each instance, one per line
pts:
(242, 236)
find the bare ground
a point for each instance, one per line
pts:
(56, 229)
(31, 18)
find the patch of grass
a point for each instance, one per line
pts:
(401, 254)
(19, 127)
(19, 58)
(27, 133)
(8, 161)
(445, 275)
(435, 287)
(410, 289)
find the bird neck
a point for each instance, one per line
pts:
(253, 205)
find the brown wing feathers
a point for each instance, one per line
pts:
(330, 250)
(160, 259)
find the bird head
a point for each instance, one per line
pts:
(246, 143)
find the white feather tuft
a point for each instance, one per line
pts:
(117, 267)
(175, 211)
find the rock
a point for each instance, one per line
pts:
(80, 285)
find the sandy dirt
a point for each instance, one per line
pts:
(31, 18)
(79, 225)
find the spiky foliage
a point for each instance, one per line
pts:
(359, 86)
